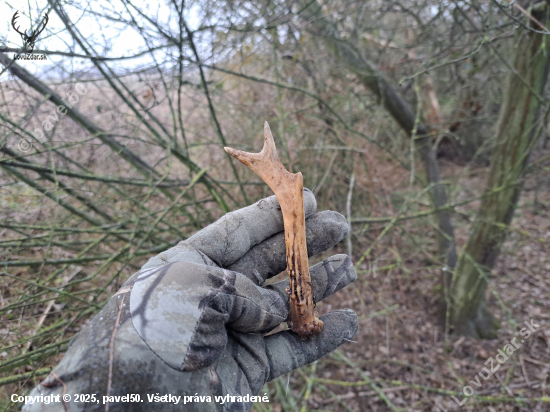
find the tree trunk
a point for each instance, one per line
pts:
(400, 110)
(519, 124)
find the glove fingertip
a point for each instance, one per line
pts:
(324, 230)
(310, 203)
(287, 351)
(339, 327)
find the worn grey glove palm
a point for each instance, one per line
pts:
(193, 320)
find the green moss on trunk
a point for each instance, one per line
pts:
(518, 125)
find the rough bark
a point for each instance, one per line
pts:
(518, 125)
(400, 110)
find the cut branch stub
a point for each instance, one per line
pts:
(288, 188)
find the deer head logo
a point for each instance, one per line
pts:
(29, 40)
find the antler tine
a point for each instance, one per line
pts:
(261, 163)
(269, 142)
(43, 23)
(15, 16)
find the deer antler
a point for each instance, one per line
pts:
(15, 16)
(39, 29)
(288, 188)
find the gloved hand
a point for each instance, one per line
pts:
(193, 321)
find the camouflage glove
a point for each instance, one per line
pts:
(192, 322)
